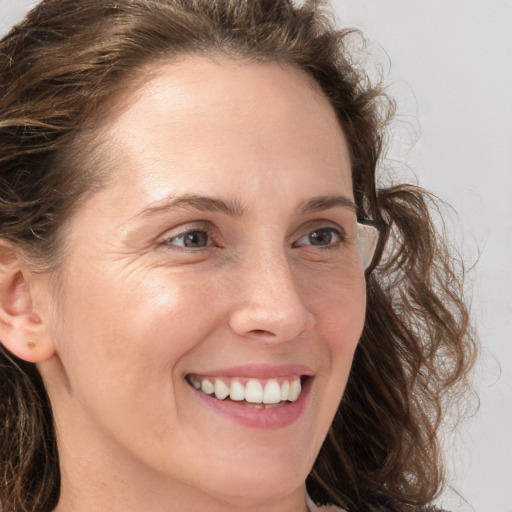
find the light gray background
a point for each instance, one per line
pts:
(451, 72)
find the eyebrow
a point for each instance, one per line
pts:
(234, 208)
(321, 203)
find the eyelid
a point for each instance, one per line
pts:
(184, 229)
(326, 225)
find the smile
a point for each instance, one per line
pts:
(256, 392)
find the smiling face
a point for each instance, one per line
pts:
(221, 255)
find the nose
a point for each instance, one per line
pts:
(269, 306)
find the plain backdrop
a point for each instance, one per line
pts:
(449, 63)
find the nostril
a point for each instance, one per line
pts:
(262, 332)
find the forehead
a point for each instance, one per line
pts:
(239, 82)
(224, 118)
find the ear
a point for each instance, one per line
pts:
(22, 329)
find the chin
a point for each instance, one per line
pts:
(257, 489)
(267, 476)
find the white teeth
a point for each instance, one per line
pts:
(207, 387)
(285, 390)
(237, 391)
(295, 390)
(254, 392)
(272, 392)
(195, 382)
(221, 390)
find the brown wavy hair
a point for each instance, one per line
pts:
(62, 67)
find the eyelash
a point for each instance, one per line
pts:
(196, 229)
(326, 229)
(339, 233)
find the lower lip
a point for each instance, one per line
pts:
(270, 418)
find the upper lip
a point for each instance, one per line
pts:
(259, 371)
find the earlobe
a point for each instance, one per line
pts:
(22, 330)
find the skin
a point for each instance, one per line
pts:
(136, 311)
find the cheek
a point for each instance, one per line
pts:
(339, 306)
(120, 345)
(125, 329)
(340, 313)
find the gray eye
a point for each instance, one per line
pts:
(191, 239)
(319, 237)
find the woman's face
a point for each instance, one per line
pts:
(221, 253)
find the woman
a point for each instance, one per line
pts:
(192, 314)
